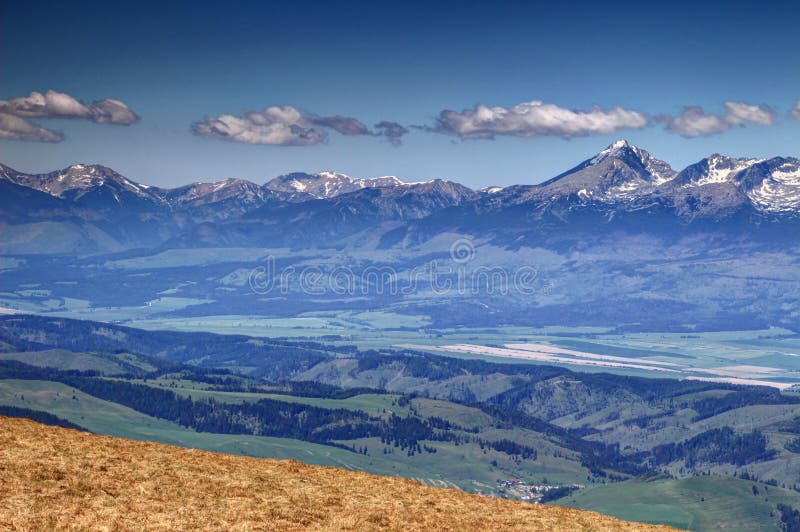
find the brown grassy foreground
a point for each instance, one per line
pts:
(52, 478)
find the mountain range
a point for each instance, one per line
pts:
(92, 208)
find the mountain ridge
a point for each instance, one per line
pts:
(622, 187)
(620, 165)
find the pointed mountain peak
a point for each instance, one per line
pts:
(618, 173)
(621, 149)
(654, 170)
(621, 143)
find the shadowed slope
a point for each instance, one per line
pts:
(59, 478)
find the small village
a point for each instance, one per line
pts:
(515, 488)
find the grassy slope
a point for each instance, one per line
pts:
(66, 360)
(465, 466)
(104, 417)
(57, 478)
(371, 403)
(698, 503)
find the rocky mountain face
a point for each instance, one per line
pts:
(621, 187)
(773, 185)
(625, 188)
(768, 186)
(618, 173)
(222, 200)
(93, 186)
(82, 208)
(626, 177)
(300, 186)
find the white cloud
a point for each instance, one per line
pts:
(110, 111)
(341, 124)
(738, 113)
(287, 126)
(694, 122)
(16, 128)
(54, 104)
(277, 125)
(14, 114)
(534, 119)
(795, 113)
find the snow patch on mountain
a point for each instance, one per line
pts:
(328, 184)
(780, 192)
(619, 173)
(721, 169)
(620, 177)
(658, 170)
(80, 179)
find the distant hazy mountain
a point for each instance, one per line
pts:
(625, 177)
(94, 208)
(300, 186)
(80, 209)
(217, 201)
(718, 184)
(92, 186)
(311, 222)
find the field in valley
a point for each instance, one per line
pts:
(209, 289)
(698, 503)
(767, 357)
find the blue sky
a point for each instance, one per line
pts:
(400, 62)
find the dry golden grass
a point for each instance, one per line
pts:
(52, 478)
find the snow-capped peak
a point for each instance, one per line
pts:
(618, 173)
(617, 144)
(615, 149)
(387, 180)
(720, 168)
(779, 190)
(206, 193)
(659, 171)
(328, 184)
(79, 179)
(716, 169)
